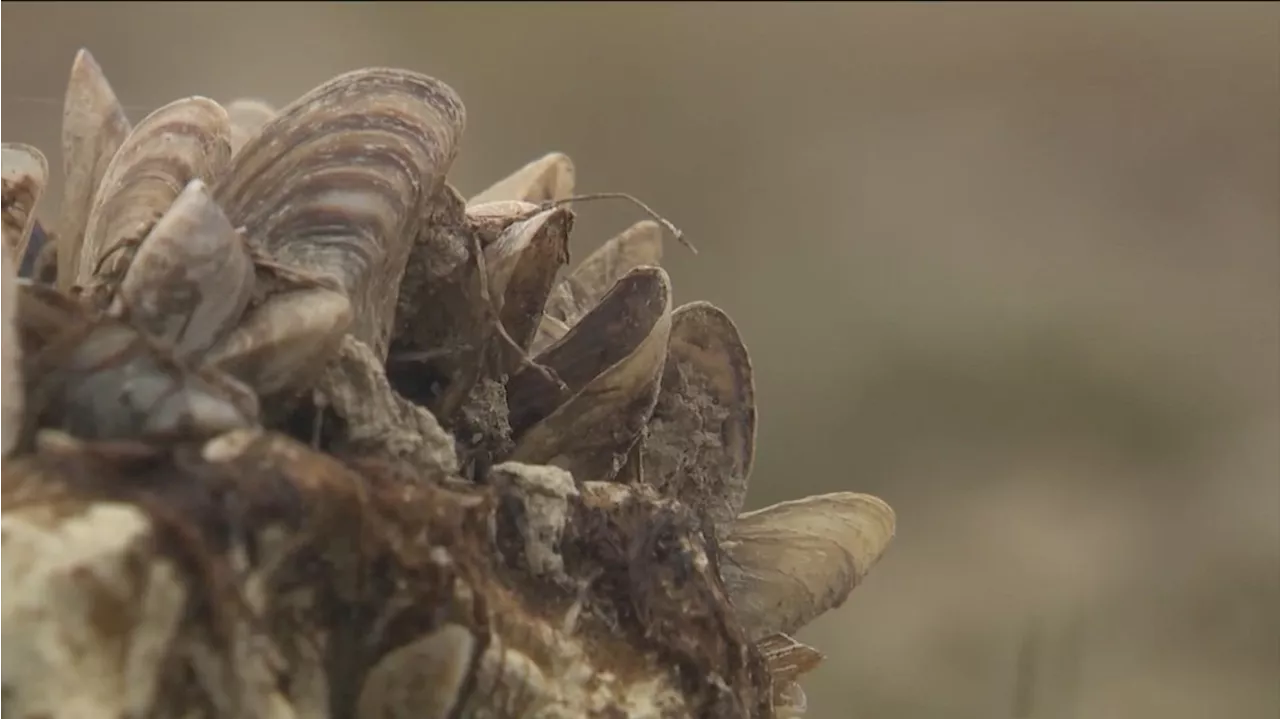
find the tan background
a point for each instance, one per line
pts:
(1013, 268)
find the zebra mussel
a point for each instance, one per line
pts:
(322, 437)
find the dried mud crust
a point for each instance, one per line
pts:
(483, 432)
(331, 566)
(659, 584)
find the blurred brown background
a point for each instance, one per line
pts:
(1014, 268)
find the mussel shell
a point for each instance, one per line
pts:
(94, 127)
(701, 439)
(611, 332)
(188, 139)
(548, 178)
(248, 117)
(792, 561)
(522, 265)
(283, 343)
(338, 184)
(591, 433)
(636, 246)
(109, 383)
(192, 276)
(549, 331)
(422, 679)
(24, 172)
(487, 222)
(10, 354)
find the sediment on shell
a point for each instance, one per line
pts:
(700, 440)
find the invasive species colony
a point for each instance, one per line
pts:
(293, 429)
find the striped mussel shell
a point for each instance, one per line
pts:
(247, 241)
(188, 139)
(94, 127)
(24, 173)
(248, 116)
(336, 185)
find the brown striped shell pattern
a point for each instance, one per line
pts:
(307, 271)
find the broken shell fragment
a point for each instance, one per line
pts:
(548, 178)
(592, 432)
(701, 438)
(378, 419)
(337, 185)
(422, 679)
(789, 701)
(536, 503)
(786, 659)
(24, 173)
(637, 246)
(790, 562)
(10, 354)
(186, 140)
(248, 117)
(94, 127)
(191, 278)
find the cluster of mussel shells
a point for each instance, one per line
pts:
(208, 263)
